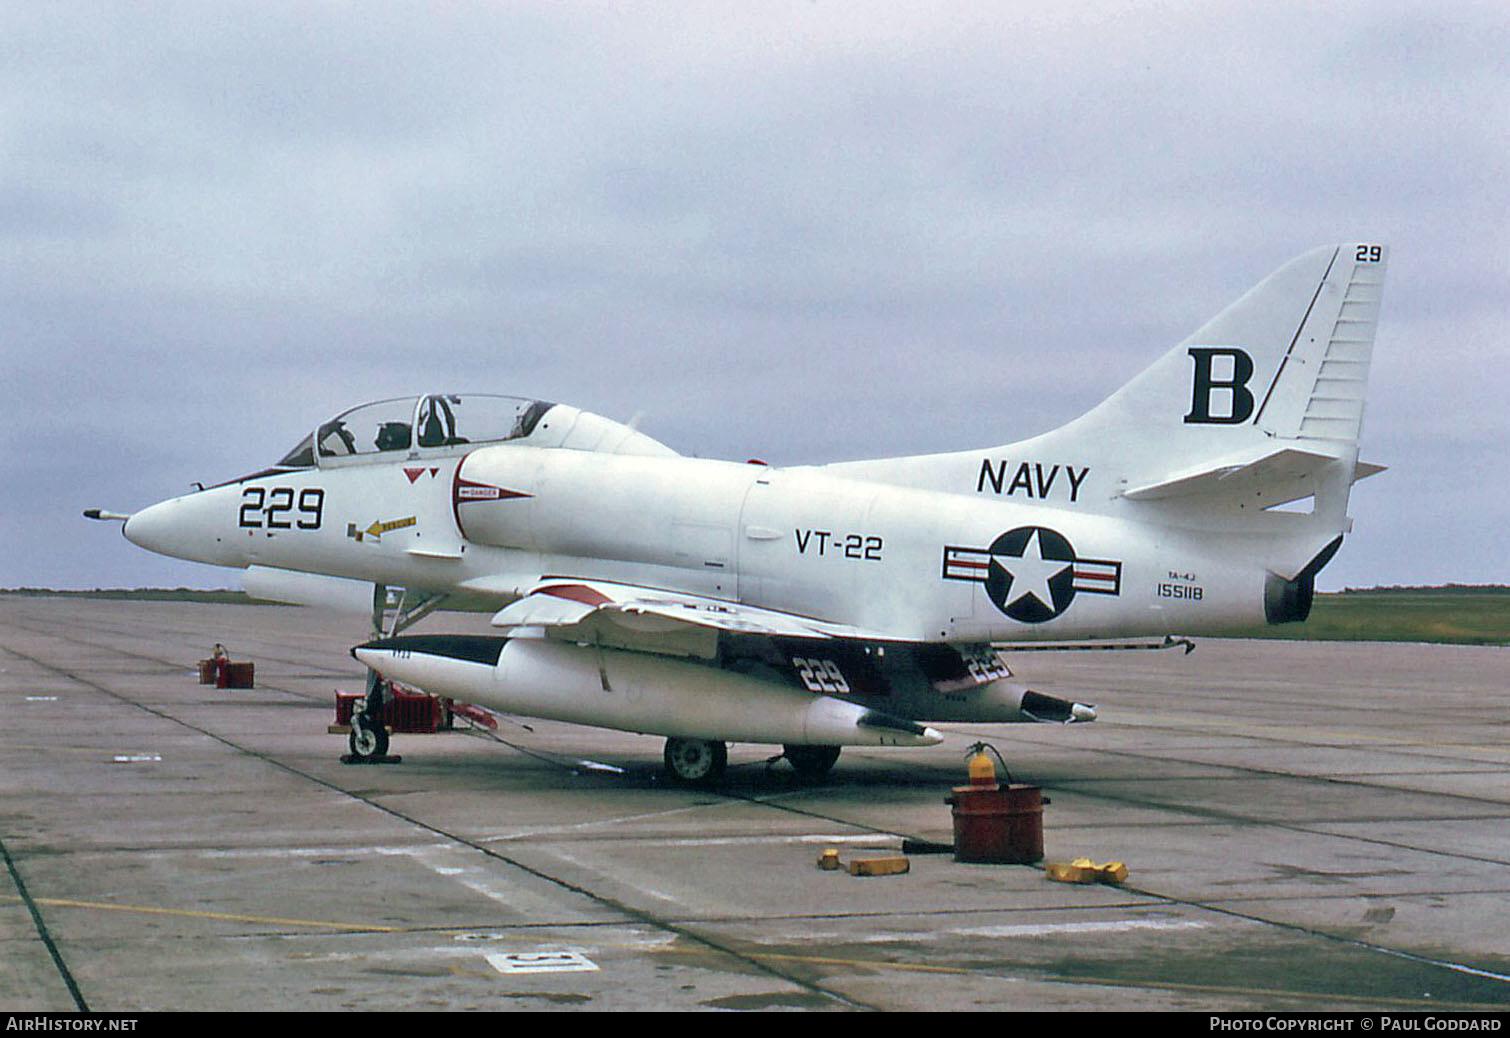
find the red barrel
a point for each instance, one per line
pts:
(998, 825)
(239, 675)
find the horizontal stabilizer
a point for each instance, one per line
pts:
(1258, 478)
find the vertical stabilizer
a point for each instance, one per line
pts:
(1261, 407)
(1318, 391)
(1287, 362)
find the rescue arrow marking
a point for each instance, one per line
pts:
(379, 528)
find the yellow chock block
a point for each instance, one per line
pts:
(893, 866)
(828, 861)
(1113, 872)
(1083, 870)
(1071, 873)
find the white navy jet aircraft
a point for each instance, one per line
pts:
(816, 607)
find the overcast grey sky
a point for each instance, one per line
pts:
(801, 231)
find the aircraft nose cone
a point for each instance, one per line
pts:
(154, 528)
(183, 527)
(145, 528)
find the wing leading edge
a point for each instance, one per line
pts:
(568, 607)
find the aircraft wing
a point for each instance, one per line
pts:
(891, 674)
(653, 619)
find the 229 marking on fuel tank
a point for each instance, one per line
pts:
(985, 666)
(820, 675)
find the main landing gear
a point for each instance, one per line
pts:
(701, 762)
(695, 762)
(812, 762)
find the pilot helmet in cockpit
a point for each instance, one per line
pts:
(393, 436)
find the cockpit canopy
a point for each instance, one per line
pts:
(409, 424)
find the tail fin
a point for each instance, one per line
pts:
(1287, 362)
(1262, 406)
(1318, 391)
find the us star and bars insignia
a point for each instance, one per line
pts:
(1032, 574)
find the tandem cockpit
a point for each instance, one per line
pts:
(413, 426)
(440, 424)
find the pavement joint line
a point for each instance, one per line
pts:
(1331, 998)
(1214, 905)
(23, 896)
(190, 913)
(1354, 942)
(614, 904)
(1318, 737)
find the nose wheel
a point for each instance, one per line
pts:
(369, 738)
(695, 762)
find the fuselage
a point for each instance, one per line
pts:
(907, 563)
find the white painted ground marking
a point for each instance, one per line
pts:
(492, 880)
(868, 840)
(630, 941)
(136, 758)
(1106, 926)
(541, 962)
(489, 879)
(1018, 930)
(605, 823)
(300, 852)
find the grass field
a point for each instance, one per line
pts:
(1462, 615)
(1457, 614)
(142, 594)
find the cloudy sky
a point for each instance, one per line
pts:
(801, 231)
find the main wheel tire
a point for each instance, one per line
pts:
(368, 739)
(812, 762)
(695, 762)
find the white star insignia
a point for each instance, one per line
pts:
(1031, 573)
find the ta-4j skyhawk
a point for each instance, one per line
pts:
(823, 606)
